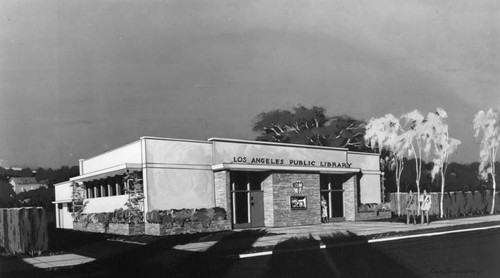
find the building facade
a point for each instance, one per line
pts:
(259, 184)
(23, 184)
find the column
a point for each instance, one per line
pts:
(350, 185)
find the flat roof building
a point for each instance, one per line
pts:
(259, 184)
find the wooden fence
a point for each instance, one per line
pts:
(454, 203)
(23, 230)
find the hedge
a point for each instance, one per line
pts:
(23, 230)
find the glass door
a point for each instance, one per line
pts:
(331, 189)
(247, 199)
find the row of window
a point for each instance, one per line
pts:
(97, 191)
(112, 186)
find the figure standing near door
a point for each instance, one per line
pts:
(324, 210)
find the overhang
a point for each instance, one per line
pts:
(251, 167)
(108, 172)
(62, 201)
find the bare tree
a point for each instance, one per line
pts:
(487, 124)
(436, 129)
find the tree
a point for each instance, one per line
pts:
(383, 133)
(436, 129)
(415, 143)
(310, 126)
(487, 124)
(6, 194)
(135, 192)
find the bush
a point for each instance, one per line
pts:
(181, 216)
(202, 215)
(219, 213)
(371, 207)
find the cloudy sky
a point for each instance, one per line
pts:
(81, 77)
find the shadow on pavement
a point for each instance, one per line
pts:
(345, 256)
(159, 258)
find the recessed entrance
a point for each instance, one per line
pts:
(332, 190)
(247, 199)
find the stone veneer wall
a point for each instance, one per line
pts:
(282, 190)
(90, 227)
(189, 228)
(223, 193)
(350, 197)
(126, 229)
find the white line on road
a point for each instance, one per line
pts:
(267, 253)
(432, 234)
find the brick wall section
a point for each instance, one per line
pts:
(222, 192)
(267, 186)
(350, 197)
(282, 190)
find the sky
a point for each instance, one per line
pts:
(78, 78)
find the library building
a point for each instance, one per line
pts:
(259, 184)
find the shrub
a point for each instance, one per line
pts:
(181, 216)
(219, 213)
(202, 215)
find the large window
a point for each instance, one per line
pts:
(332, 190)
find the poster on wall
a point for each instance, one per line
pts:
(298, 202)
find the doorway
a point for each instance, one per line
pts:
(331, 188)
(247, 198)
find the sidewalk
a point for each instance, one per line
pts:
(240, 243)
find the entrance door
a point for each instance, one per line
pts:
(247, 200)
(331, 190)
(257, 208)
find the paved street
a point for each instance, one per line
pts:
(266, 252)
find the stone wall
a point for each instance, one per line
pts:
(90, 227)
(282, 190)
(157, 229)
(126, 229)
